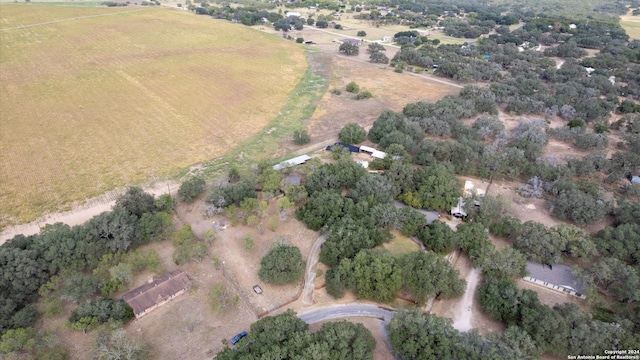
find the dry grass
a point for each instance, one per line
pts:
(631, 24)
(400, 244)
(18, 15)
(95, 103)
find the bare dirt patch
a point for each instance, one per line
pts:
(240, 265)
(526, 209)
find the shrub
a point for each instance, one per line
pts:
(272, 223)
(190, 189)
(352, 87)
(299, 40)
(247, 242)
(301, 137)
(363, 95)
(362, 33)
(336, 92)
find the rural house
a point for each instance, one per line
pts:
(458, 210)
(557, 277)
(148, 297)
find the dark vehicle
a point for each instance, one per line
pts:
(237, 338)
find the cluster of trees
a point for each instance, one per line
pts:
(191, 189)
(28, 343)
(99, 311)
(414, 334)
(29, 262)
(288, 23)
(286, 336)
(563, 329)
(246, 15)
(376, 53)
(378, 276)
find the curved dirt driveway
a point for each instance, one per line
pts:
(310, 272)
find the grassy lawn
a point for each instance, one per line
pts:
(400, 244)
(631, 24)
(96, 103)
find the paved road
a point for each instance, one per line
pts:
(351, 310)
(310, 273)
(430, 216)
(346, 310)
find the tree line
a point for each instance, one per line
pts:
(62, 259)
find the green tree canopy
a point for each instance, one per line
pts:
(349, 49)
(352, 133)
(438, 237)
(426, 274)
(377, 275)
(417, 335)
(191, 189)
(285, 336)
(282, 265)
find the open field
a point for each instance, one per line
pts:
(23, 15)
(95, 103)
(631, 24)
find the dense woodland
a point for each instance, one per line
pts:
(428, 145)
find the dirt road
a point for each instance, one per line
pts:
(310, 277)
(464, 314)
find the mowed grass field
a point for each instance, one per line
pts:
(631, 24)
(95, 103)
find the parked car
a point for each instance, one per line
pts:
(257, 289)
(237, 338)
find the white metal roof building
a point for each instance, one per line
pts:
(298, 160)
(367, 149)
(379, 154)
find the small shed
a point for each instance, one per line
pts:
(458, 210)
(155, 293)
(298, 160)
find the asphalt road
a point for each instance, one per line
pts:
(346, 310)
(351, 310)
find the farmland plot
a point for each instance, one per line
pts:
(95, 103)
